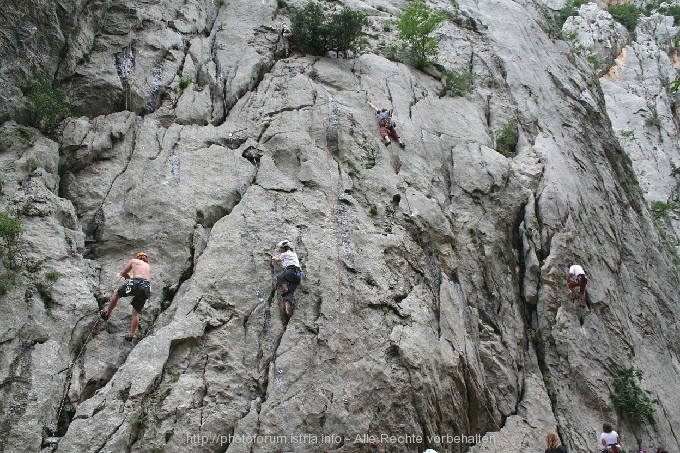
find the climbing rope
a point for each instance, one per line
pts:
(69, 374)
(265, 313)
(341, 335)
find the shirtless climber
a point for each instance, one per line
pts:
(138, 285)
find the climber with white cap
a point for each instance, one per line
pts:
(576, 277)
(290, 278)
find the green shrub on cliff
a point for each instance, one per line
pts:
(46, 104)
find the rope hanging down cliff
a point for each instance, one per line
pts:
(265, 314)
(337, 211)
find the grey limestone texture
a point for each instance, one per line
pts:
(433, 303)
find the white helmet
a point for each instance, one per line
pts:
(284, 243)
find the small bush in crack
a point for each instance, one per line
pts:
(174, 375)
(661, 208)
(185, 82)
(142, 420)
(505, 139)
(10, 230)
(634, 402)
(99, 408)
(46, 104)
(79, 347)
(32, 164)
(457, 83)
(52, 275)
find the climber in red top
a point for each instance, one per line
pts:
(576, 277)
(386, 125)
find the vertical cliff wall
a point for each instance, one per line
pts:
(433, 303)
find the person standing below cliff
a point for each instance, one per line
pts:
(386, 124)
(552, 441)
(138, 285)
(576, 277)
(610, 439)
(290, 278)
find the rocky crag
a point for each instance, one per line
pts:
(433, 303)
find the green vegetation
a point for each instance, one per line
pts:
(79, 347)
(175, 46)
(457, 83)
(46, 104)
(185, 82)
(631, 399)
(10, 230)
(505, 139)
(318, 32)
(654, 120)
(45, 292)
(52, 275)
(174, 375)
(675, 84)
(142, 420)
(673, 11)
(592, 59)
(99, 408)
(162, 397)
(571, 8)
(661, 208)
(416, 26)
(6, 282)
(626, 14)
(49, 314)
(123, 395)
(373, 211)
(15, 135)
(32, 164)
(168, 436)
(281, 4)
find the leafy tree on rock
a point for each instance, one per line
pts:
(316, 32)
(415, 27)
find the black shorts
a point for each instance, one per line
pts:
(139, 289)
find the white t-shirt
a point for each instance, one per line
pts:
(576, 270)
(609, 438)
(289, 258)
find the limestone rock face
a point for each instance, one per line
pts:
(432, 311)
(596, 34)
